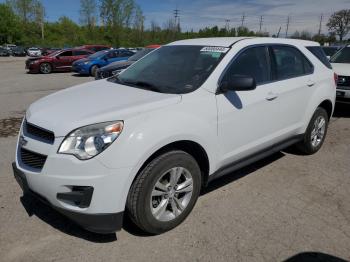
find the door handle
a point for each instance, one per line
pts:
(271, 96)
(310, 83)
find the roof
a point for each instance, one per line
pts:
(229, 41)
(213, 41)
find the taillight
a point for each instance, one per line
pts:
(336, 79)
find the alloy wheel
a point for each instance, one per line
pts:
(318, 131)
(171, 194)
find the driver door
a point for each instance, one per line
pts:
(246, 119)
(64, 60)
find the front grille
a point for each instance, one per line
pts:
(344, 81)
(32, 159)
(39, 133)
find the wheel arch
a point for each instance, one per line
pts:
(328, 106)
(188, 146)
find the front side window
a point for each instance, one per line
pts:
(343, 56)
(173, 69)
(66, 53)
(112, 54)
(289, 62)
(251, 62)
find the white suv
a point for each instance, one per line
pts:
(148, 140)
(341, 65)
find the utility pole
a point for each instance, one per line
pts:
(42, 22)
(227, 25)
(288, 21)
(261, 23)
(242, 20)
(177, 17)
(279, 31)
(320, 26)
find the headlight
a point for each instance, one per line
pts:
(88, 141)
(86, 62)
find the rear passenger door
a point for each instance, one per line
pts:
(293, 85)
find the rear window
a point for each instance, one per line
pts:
(319, 53)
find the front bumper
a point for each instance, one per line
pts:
(90, 193)
(81, 69)
(32, 68)
(343, 94)
(98, 223)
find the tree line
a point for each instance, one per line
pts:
(120, 23)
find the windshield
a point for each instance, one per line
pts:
(343, 56)
(54, 53)
(173, 69)
(99, 54)
(329, 51)
(140, 54)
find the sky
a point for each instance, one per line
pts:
(196, 14)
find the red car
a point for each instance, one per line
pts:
(95, 48)
(60, 61)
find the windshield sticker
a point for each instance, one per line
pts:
(217, 49)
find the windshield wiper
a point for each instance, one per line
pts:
(144, 85)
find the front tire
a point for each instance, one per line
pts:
(45, 68)
(315, 133)
(93, 70)
(165, 192)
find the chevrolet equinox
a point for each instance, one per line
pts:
(146, 142)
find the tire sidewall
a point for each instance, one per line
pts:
(154, 173)
(93, 70)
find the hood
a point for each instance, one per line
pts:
(36, 58)
(94, 102)
(341, 69)
(117, 65)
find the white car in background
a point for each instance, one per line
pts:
(34, 51)
(341, 66)
(147, 141)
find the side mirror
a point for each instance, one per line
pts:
(238, 83)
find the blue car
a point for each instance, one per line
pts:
(89, 65)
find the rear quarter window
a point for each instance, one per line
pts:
(320, 54)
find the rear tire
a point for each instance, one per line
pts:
(93, 70)
(315, 133)
(165, 192)
(45, 68)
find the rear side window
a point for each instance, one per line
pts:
(320, 54)
(81, 52)
(251, 62)
(289, 62)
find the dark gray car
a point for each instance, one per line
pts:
(116, 67)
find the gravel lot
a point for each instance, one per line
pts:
(274, 210)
